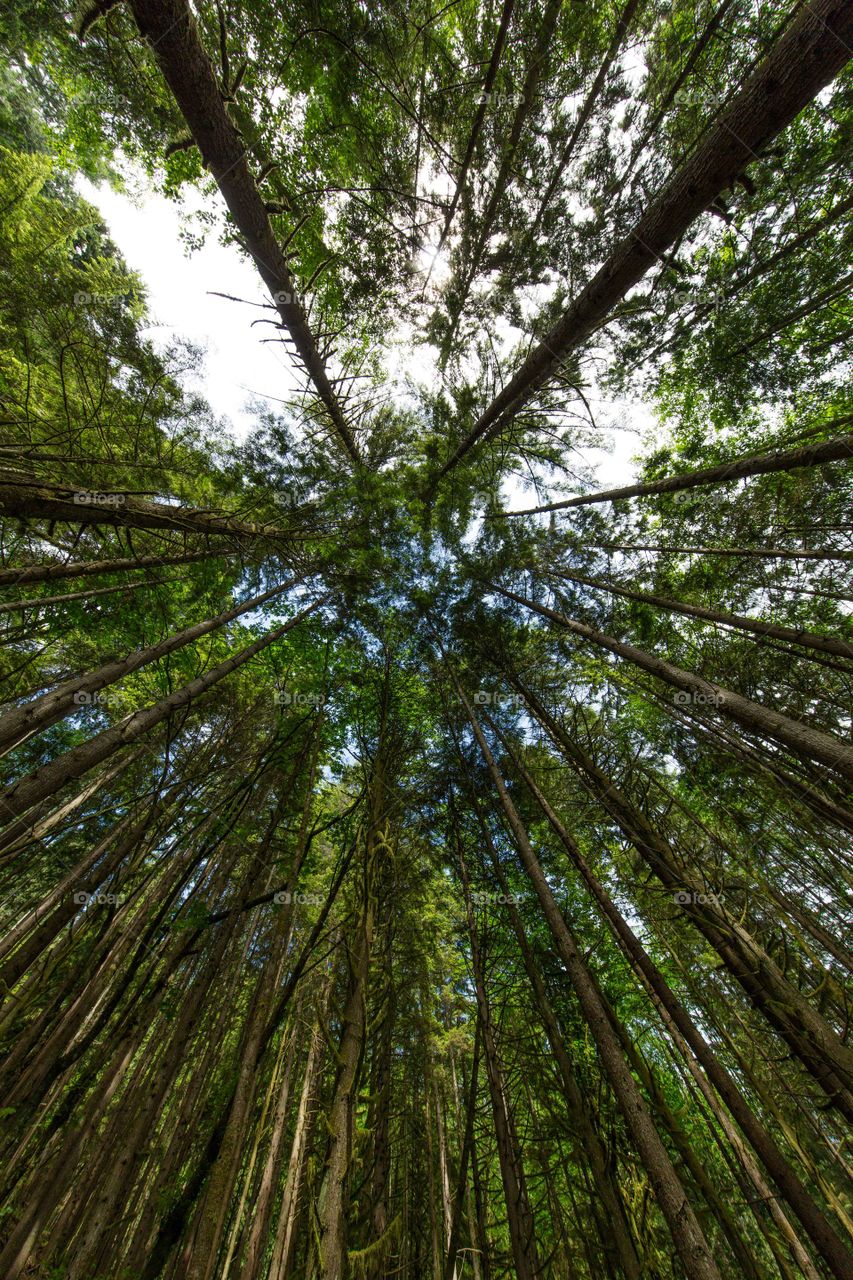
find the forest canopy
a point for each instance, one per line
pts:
(421, 854)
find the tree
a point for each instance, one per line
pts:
(419, 857)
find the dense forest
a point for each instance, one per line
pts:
(419, 857)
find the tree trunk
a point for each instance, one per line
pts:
(462, 1179)
(64, 699)
(36, 602)
(791, 635)
(334, 1199)
(621, 30)
(170, 29)
(50, 778)
(522, 1231)
(814, 1042)
(618, 1248)
(91, 568)
(27, 498)
(743, 553)
(285, 1238)
(838, 449)
(379, 1112)
(812, 744)
(805, 58)
(491, 73)
(686, 1233)
(673, 1012)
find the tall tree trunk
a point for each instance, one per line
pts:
(805, 58)
(793, 635)
(443, 1166)
(28, 498)
(50, 778)
(479, 117)
(170, 28)
(285, 1236)
(379, 1112)
(435, 1251)
(65, 698)
(91, 568)
(519, 1214)
(587, 107)
(815, 1043)
(741, 553)
(812, 744)
(462, 1180)
(334, 1197)
(838, 449)
(674, 1014)
(686, 1233)
(41, 602)
(616, 1242)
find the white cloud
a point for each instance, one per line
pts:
(238, 364)
(147, 231)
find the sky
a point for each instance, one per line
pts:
(147, 230)
(238, 365)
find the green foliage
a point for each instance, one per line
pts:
(279, 861)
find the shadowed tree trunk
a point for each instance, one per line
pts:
(793, 734)
(65, 697)
(826, 1240)
(46, 781)
(757, 626)
(169, 27)
(30, 499)
(812, 1039)
(807, 56)
(839, 449)
(522, 1231)
(87, 568)
(686, 1233)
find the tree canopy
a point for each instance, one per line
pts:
(422, 855)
